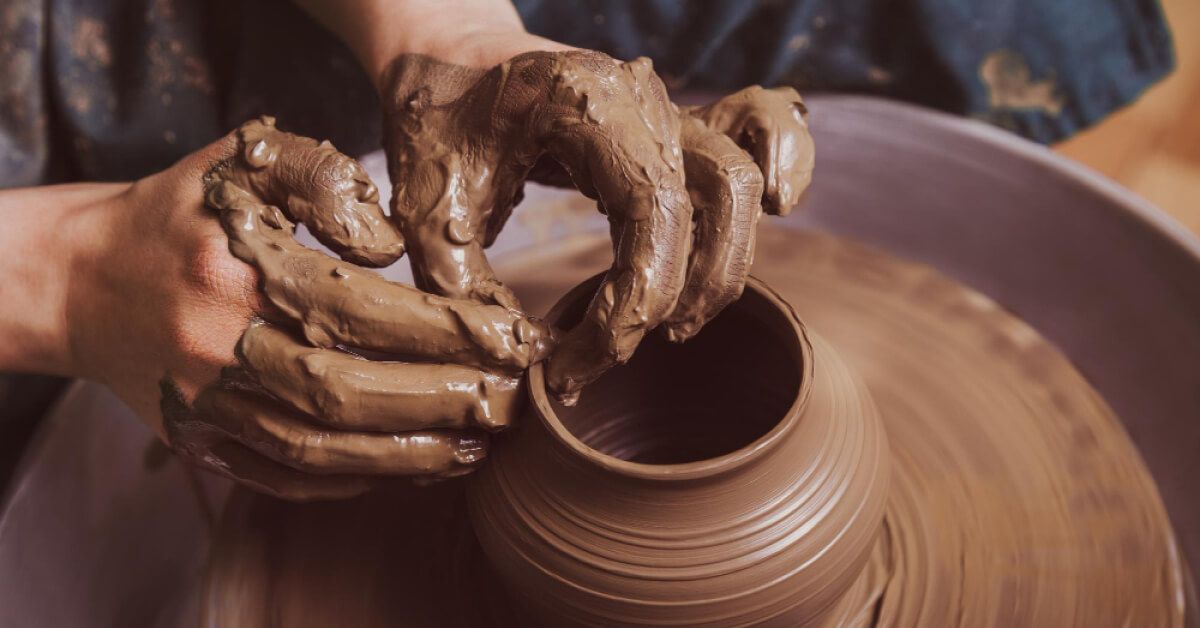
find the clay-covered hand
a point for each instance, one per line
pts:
(747, 152)
(266, 379)
(462, 141)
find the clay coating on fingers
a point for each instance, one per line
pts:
(347, 392)
(461, 142)
(771, 125)
(197, 438)
(294, 442)
(726, 188)
(302, 417)
(316, 185)
(337, 303)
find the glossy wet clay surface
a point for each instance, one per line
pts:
(1015, 496)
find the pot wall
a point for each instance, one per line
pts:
(773, 533)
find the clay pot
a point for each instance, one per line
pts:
(736, 479)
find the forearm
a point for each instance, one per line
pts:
(47, 231)
(478, 33)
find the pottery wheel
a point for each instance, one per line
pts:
(1016, 499)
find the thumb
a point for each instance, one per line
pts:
(312, 183)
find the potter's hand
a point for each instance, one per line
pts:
(250, 362)
(770, 125)
(461, 142)
(728, 193)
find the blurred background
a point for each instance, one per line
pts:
(1153, 146)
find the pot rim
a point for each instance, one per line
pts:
(707, 467)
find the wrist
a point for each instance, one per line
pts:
(472, 33)
(480, 45)
(49, 232)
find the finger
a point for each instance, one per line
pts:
(444, 197)
(784, 150)
(725, 187)
(769, 124)
(316, 185)
(447, 249)
(338, 303)
(625, 153)
(242, 465)
(347, 392)
(276, 433)
(205, 444)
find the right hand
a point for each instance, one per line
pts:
(683, 191)
(252, 355)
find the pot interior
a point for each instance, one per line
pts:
(677, 403)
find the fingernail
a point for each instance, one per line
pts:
(470, 449)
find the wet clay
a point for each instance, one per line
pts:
(737, 479)
(1015, 496)
(461, 143)
(305, 414)
(339, 303)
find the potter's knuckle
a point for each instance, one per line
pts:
(331, 168)
(305, 165)
(738, 167)
(312, 366)
(332, 407)
(746, 180)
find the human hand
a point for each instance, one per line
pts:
(683, 191)
(246, 362)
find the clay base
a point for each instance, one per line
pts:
(1016, 497)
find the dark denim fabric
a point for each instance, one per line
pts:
(116, 89)
(1042, 68)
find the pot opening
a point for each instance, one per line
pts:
(710, 396)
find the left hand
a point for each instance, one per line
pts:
(249, 353)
